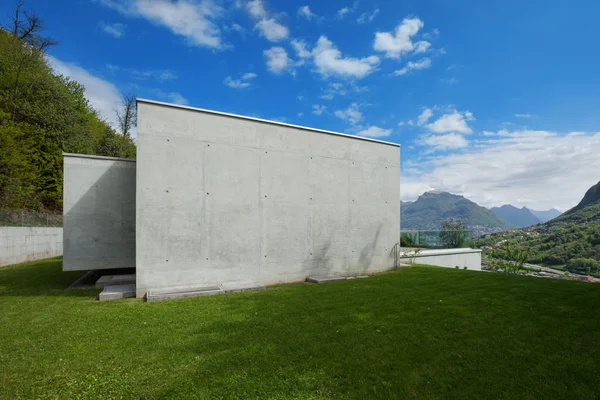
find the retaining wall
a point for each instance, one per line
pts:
(22, 244)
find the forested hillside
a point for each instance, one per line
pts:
(42, 114)
(572, 239)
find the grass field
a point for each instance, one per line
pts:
(417, 333)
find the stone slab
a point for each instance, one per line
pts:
(233, 287)
(115, 280)
(116, 292)
(159, 295)
(324, 279)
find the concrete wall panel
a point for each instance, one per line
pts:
(258, 200)
(99, 213)
(23, 244)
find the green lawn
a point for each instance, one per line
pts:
(415, 333)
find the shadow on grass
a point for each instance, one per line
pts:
(40, 278)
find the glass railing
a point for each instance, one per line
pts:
(435, 239)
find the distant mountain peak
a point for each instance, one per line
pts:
(519, 217)
(432, 208)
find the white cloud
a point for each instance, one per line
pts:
(177, 98)
(401, 123)
(375, 131)
(342, 12)
(352, 114)
(249, 75)
(305, 12)
(241, 83)
(256, 8)
(272, 30)
(442, 142)
(410, 66)
(422, 47)
(193, 20)
(102, 95)
(523, 115)
(318, 109)
(453, 122)
(300, 114)
(277, 59)
(432, 35)
(424, 116)
(300, 47)
(115, 30)
(329, 61)
(160, 75)
(267, 25)
(537, 169)
(334, 89)
(367, 17)
(171, 97)
(397, 43)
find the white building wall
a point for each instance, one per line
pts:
(99, 212)
(225, 198)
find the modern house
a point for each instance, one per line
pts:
(217, 199)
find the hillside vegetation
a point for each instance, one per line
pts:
(43, 114)
(558, 242)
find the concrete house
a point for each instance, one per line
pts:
(217, 199)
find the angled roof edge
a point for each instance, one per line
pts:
(266, 121)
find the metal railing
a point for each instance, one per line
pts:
(435, 239)
(30, 218)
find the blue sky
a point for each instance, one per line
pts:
(495, 100)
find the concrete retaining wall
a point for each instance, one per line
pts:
(227, 198)
(99, 212)
(22, 244)
(449, 258)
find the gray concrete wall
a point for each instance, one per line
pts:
(99, 212)
(449, 258)
(22, 244)
(225, 198)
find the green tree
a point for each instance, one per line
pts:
(43, 114)
(508, 258)
(453, 233)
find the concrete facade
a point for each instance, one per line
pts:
(23, 244)
(99, 212)
(449, 258)
(223, 198)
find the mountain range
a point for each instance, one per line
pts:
(524, 217)
(432, 208)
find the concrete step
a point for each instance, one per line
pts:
(233, 287)
(115, 280)
(169, 294)
(324, 279)
(116, 292)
